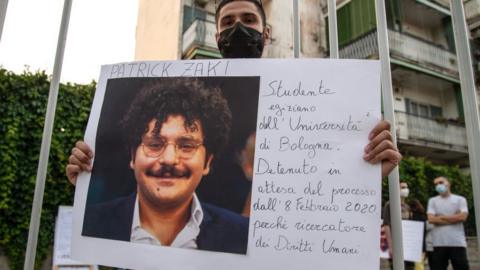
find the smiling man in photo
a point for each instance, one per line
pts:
(174, 129)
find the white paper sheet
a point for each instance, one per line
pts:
(62, 242)
(315, 201)
(412, 240)
(412, 235)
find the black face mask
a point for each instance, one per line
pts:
(240, 41)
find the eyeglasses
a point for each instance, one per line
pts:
(184, 148)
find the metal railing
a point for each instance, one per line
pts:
(431, 130)
(201, 33)
(362, 47)
(422, 52)
(405, 47)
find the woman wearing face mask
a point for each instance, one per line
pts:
(411, 210)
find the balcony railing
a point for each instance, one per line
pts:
(413, 127)
(404, 47)
(362, 47)
(201, 33)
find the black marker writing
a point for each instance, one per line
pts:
(263, 167)
(297, 123)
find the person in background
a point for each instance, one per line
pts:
(429, 243)
(447, 212)
(419, 214)
(407, 214)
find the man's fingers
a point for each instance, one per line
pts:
(84, 148)
(385, 135)
(72, 173)
(381, 126)
(81, 156)
(390, 155)
(73, 160)
(382, 146)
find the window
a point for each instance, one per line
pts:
(423, 110)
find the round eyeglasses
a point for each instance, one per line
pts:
(184, 148)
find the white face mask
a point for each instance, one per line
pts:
(404, 192)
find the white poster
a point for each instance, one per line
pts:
(175, 175)
(412, 237)
(412, 240)
(62, 243)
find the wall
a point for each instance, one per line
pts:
(424, 22)
(158, 30)
(312, 27)
(450, 108)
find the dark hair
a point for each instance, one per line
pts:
(416, 206)
(258, 4)
(187, 97)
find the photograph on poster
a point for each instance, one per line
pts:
(173, 163)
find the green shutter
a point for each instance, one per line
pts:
(343, 21)
(355, 19)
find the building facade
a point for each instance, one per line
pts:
(472, 13)
(427, 95)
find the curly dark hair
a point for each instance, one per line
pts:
(187, 97)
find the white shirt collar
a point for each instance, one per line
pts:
(186, 238)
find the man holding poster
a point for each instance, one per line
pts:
(241, 33)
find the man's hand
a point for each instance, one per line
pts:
(381, 148)
(80, 160)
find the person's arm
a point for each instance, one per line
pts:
(436, 220)
(80, 160)
(432, 215)
(381, 148)
(455, 218)
(388, 235)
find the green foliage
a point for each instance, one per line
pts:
(419, 174)
(23, 101)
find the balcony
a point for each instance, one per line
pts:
(472, 10)
(447, 140)
(407, 49)
(199, 40)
